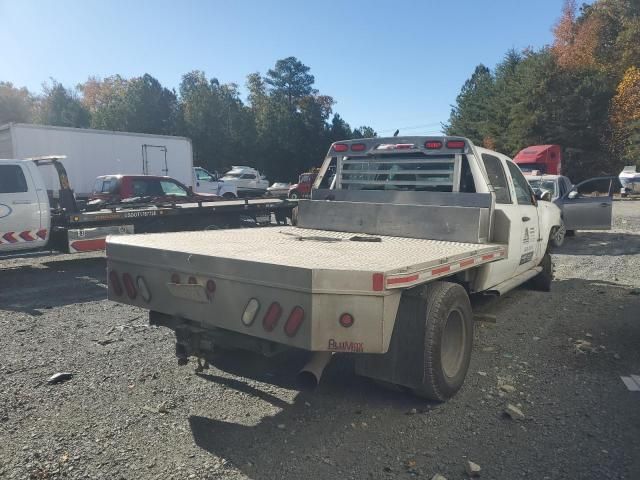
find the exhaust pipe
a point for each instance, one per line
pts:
(309, 376)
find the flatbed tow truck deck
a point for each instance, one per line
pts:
(314, 258)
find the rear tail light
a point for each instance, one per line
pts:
(433, 145)
(358, 147)
(341, 147)
(129, 286)
(211, 287)
(175, 278)
(346, 320)
(114, 281)
(143, 289)
(296, 317)
(250, 311)
(455, 144)
(272, 316)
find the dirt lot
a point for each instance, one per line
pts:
(130, 412)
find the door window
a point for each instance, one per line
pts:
(203, 175)
(497, 178)
(171, 188)
(12, 179)
(524, 195)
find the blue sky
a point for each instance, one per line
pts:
(388, 64)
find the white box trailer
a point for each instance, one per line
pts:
(91, 153)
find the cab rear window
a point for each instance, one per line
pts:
(12, 179)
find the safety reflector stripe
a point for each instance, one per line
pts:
(411, 278)
(405, 280)
(24, 236)
(87, 245)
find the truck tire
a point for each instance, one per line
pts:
(431, 345)
(228, 195)
(542, 281)
(448, 341)
(294, 195)
(558, 235)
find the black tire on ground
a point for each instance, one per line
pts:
(294, 195)
(543, 280)
(448, 341)
(558, 235)
(228, 195)
(430, 348)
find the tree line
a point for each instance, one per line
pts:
(283, 128)
(581, 92)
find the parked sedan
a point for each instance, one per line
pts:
(585, 206)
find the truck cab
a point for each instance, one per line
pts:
(247, 180)
(119, 188)
(25, 220)
(206, 182)
(302, 189)
(543, 159)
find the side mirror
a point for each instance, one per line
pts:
(572, 194)
(190, 190)
(543, 195)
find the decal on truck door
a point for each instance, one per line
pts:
(528, 235)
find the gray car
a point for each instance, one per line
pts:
(585, 206)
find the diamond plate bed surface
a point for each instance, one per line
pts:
(306, 248)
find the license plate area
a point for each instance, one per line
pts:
(186, 291)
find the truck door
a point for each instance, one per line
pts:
(530, 244)
(510, 220)
(588, 206)
(20, 223)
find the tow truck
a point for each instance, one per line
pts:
(33, 218)
(380, 264)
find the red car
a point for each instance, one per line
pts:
(144, 188)
(302, 189)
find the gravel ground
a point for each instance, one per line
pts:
(130, 412)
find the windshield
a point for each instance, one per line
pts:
(541, 184)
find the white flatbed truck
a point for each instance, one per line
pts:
(380, 264)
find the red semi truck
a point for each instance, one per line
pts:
(546, 159)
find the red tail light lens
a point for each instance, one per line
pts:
(358, 147)
(129, 286)
(114, 281)
(296, 317)
(433, 145)
(346, 320)
(175, 278)
(341, 147)
(455, 144)
(272, 316)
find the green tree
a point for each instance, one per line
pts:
(62, 107)
(16, 104)
(290, 78)
(471, 115)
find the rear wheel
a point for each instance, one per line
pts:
(294, 195)
(228, 195)
(430, 349)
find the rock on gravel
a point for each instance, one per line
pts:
(472, 469)
(514, 412)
